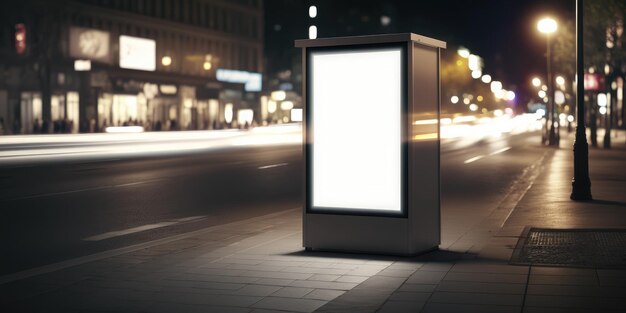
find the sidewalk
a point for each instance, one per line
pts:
(259, 265)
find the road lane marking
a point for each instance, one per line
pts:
(272, 166)
(128, 231)
(500, 151)
(137, 229)
(50, 194)
(476, 158)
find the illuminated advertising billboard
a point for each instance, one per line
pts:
(90, 44)
(253, 81)
(355, 113)
(137, 53)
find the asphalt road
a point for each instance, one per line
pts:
(63, 209)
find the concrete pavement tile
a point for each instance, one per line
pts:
(266, 311)
(382, 283)
(577, 290)
(409, 296)
(257, 290)
(206, 299)
(352, 279)
(611, 273)
(292, 292)
(323, 284)
(215, 278)
(289, 304)
(356, 301)
(230, 260)
(280, 275)
(216, 271)
(426, 277)
(616, 281)
(284, 263)
(418, 287)
(405, 265)
(324, 277)
(266, 268)
(200, 284)
(324, 294)
(564, 271)
(274, 281)
(476, 298)
(533, 309)
(468, 308)
(480, 267)
(486, 277)
(393, 306)
(563, 280)
(437, 266)
(396, 272)
(463, 286)
(188, 308)
(314, 270)
(598, 303)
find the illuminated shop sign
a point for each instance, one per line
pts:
(352, 167)
(252, 80)
(90, 44)
(137, 53)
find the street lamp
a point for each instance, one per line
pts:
(548, 26)
(581, 184)
(536, 82)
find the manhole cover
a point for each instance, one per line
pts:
(572, 247)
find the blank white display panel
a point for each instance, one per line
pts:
(355, 122)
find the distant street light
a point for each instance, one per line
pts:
(548, 26)
(536, 82)
(463, 52)
(486, 79)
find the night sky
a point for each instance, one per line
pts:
(503, 33)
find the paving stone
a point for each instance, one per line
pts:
(352, 279)
(468, 308)
(396, 272)
(289, 304)
(324, 277)
(564, 271)
(323, 285)
(426, 277)
(461, 286)
(577, 290)
(324, 294)
(292, 292)
(476, 298)
(437, 267)
(410, 296)
(418, 287)
(597, 303)
(486, 277)
(393, 306)
(382, 283)
(563, 280)
(489, 268)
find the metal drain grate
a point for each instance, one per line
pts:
(572, 247)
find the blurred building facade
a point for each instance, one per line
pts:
(79, 66)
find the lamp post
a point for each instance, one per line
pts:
(581, 184)
(548, 26)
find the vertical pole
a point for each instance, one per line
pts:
(581, 184)
(552, 136)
